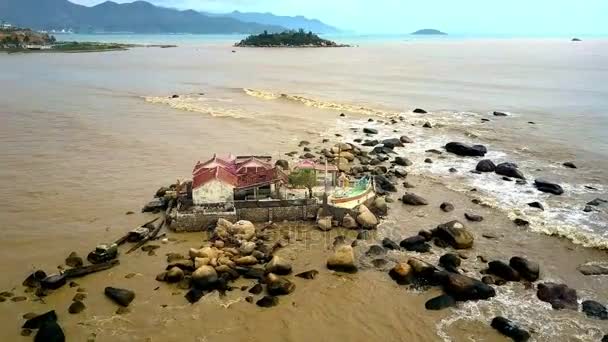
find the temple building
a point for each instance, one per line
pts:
(323, 172)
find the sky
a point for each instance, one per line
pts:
(517, 17)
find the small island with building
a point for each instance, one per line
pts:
(429, 32)
(298, 38)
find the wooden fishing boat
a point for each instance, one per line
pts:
(351, 197)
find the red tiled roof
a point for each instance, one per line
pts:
(207, 175)
(308, 164)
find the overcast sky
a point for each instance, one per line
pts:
(527, 17)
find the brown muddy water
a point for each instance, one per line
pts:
(85, 138)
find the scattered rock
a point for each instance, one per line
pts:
(402, 161)
(375, 250)
(440, 303)
(450, 262)
(19, 299)
(370, 131)
(204, 277)
(389, 244)
(560, 296)
(380, 206)
(283, 164)
(593, 268)
(174, 275)
(122, 297)
(278, 265)
(528, 270)
(569, 165)
(324, 223)
(466, 150)
(464, 288)
(312, 274)
(76, 307)
(50, 332)
(402, 273)
(537, 205)
(415, 243)
(485, 165)
(455, 234)
(595, 310)
(509, 170)
(343, 260)
(419, 111)
(349, 222)
(246, 261)
(510, 329)
(267, 302)
(427, 125)
(366, 218)
(521, 222)
(406, 140)
(194, 295)
(500, 114)
(413, 199)
(364, 235)
(504, 271)
(73, 260)
(384, 184)
(473, 217)
(278, 286)
(447, 207)
(545, 186)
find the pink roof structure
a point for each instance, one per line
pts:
(308, 164)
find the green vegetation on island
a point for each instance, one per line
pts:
(429, 32)
(298, 38)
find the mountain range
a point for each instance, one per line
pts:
(143, 17)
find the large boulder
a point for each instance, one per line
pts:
(366, 218)
(595, 309)
(440, 303)
(415, 243)
(384, 184)
(527, 269)
(205, 277)
(413, 199)
(349, 222)
(546, 186)
(485, 165)
(50, 332)
(509, 170)
(465, 150)
(450, 262)
(402, 273)
(122, 297)
(242, 230)
(324, 223)
(174, 275)
(504, 271)
(510, 329)
(560, 296)
(455, 234)
(402, 161)
(380, 206)
(406, 140)
(392, 143)
(464, 288)
(343, 260)
(278, 265)
(389, 244)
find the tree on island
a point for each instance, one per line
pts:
(304, 178)
(286, 38)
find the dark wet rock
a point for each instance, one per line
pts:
(400, 172)
(593, 268)
(6, 294)
(402, 161)
(509, 170)
(597, 202)
(450, 262)
(419, 111)
(546, 186)
(422, 269)
(537, 205)
(37, 321)
(595, 310)
(382, 150)
(415, 243)
(370, 131)
(194, 295)
(122, 297)
(466, 150)
(588, 209)
(406, 140)
(26, 332)
(473, 217)
(392, 143)
(380, 263)
(510, 329)
(455, 234)
(174, 275)
(185, 284)
(249, 299)
(440, 303)
(464, 288)
(521, 222)
(268, 302)
(278, 265)
(279, 286)
(521, 182)
(256, 289)
(303, 143)
(390, 244)
(408, 185)
(507, 179)
(527, 269)
(427, 125)
(185, 265)
(343, 260)
(384, 184)
(500, 114)
(447, 207)
(76, 307)
(19, 299)
(339, 241)
(73, 260)
(364, 235)
(427, 235)
(34, 279)
(312, 274)
(485, 165)
(428, 161)
(155, 205)
(402, 273)
(122, 311)
(205, 277)
(569, 165)
(488, 280)
(413, 199)
(375, 250)
(504, 271)
(560, 296)
(370, 143)
(50, 332)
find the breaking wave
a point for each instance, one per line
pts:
(199, 104)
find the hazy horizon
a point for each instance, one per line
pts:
(517, 17)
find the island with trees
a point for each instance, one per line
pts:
(430, 32)
(298, 38)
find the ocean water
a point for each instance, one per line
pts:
(86, 137)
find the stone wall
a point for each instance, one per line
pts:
(198, 221)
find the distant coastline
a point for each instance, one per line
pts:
(430, 32)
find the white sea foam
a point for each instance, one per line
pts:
(200, 104)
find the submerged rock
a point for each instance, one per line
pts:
(537, 205)
(528, 270)
(501, 269)
(509, 170)
(413, 199)
(268, 302)
(122, 297)
(545, 186)
(560, 296)
(595, 310)
(415, 243)
(278, 286)
(76, 307)
(73, 260)
(464, 288)
(485, 165)
(569, 165)
(406, 140)
(39, 320)
(455, 234)
(450, 262)
(419, 111)
(466, 150)
(343, 260)
(389, 244)
(312, 274)
(402, 273)
(194, 295)
(402, 161)
(593, 268)
(440, 303)
(510, 329)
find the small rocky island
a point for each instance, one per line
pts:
(298, 38)
(429, 32)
